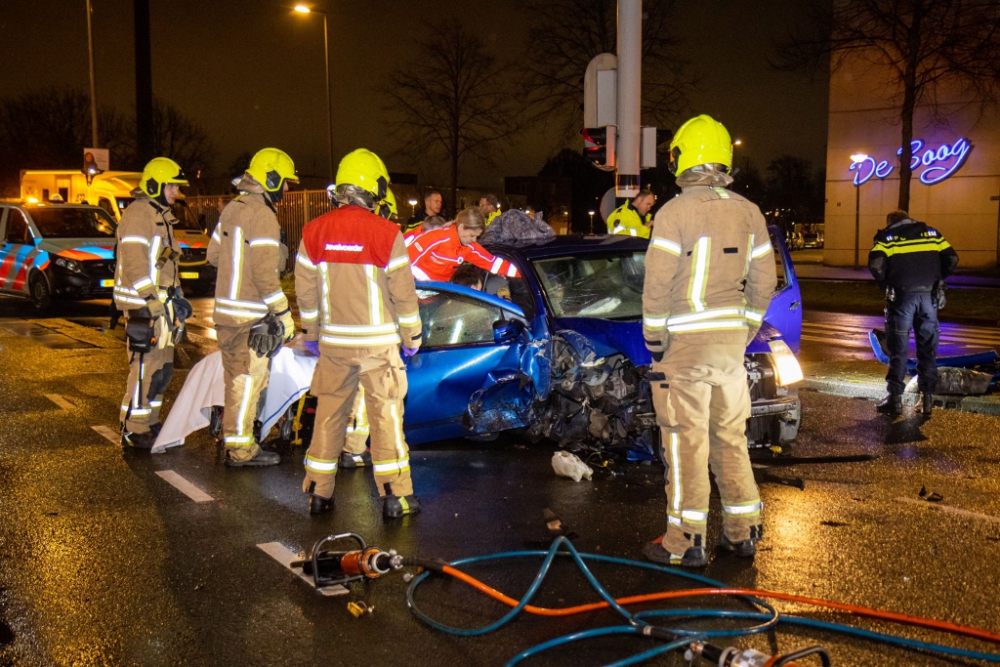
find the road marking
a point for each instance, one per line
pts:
(285, 556)
(184, 486)
(60, 401)
(950, 510)
(113, 436)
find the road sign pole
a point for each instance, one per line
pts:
(629, 97)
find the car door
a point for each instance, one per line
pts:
(785, 311)
(17, 245)
(477, 370)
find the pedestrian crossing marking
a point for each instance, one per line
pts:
(110, 434)
(286, 556)
(184, 486)
(60, 401)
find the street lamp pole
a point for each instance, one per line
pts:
(93, 79)
(857, 159)
(303, 9)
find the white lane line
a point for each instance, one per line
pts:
(285, 556)
(948, 509)
(109, 433)
(60, 401)
(184, 486)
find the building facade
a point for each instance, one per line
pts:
(956, 167)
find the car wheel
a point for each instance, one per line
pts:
(215, 421)
(788, 429)
(285, 427)
(38, 289)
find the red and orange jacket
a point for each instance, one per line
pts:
(437, 254)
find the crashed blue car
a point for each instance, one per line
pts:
(559, 353)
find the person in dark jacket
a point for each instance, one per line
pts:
(910, 261)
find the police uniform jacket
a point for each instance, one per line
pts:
(911, 257)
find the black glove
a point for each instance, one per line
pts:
(266, 337)
(182, 309)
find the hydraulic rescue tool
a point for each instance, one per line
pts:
(735, 657)
(330, 567)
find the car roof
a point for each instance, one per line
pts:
(561, 246)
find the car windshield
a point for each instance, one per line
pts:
(185, 218)
(607, 286)
(57, 222)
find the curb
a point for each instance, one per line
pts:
(982, 405)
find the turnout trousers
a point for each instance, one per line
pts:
(382, 375)
(916, 311)
(149, 376)
(702, 404)
(246, 374)
(358, 428)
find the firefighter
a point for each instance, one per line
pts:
(435, 255)
(632, 218)
(358, 304)
(910, 262)
(147, 290)
(710, 274)
(252, 316)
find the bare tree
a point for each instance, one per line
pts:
(921, 44)
(177, 136)
(453, 100)
(569, 33)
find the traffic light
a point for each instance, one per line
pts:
(599, 145)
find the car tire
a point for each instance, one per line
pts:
(788, 430)
(38, 290)
(215, 422)
(285, 431)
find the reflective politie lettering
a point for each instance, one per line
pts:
(930, 165)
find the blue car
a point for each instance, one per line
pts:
(559, 352)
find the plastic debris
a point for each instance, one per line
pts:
(359, 609)
(569, 465)
(958, 382)
(931, 497)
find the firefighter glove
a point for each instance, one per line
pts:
(287, 324)
(155, 307)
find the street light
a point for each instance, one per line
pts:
(412, 201)
(304, 9)
(591, 213)
(857, 159)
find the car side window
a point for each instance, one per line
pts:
(779, 263)
(106, 204)
(453, 319)
(17, 227)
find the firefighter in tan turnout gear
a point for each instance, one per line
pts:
(710, 275)
(357, 298)
(147, 290)
(252, 316)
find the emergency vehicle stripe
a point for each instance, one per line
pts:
(654, 322)
(704, 315)
(257, 243)
(322, 466)
(410, 320)
(360, 328)
(669, 246)
(361, 341)
(699, 273)
(761, 250)
(397, 263)
(743, 509)
(304, 261)
(374, 295)
(135, 239)
(711, 325)
(237, 268)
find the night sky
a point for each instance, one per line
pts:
(251, 72)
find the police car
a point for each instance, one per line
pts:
(56, 251)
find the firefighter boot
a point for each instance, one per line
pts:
(260, 459)
(890, 405)
(396, 506)
(927, 404)
(320, 505)
(134, 442)
(348, 460)
(693, 556)
(744, 549)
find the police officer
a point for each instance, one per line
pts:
(710, 274)
(358, 304)
(910, 262)
(248, 299)
(147, 290)
(632, 218)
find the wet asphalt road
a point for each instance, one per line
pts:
(102, 562)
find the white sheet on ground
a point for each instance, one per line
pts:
(291, 376)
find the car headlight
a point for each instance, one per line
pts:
(786, 367)
(69, 265)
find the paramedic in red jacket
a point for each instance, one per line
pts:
(435, 255)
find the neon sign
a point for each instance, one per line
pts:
(937, 165)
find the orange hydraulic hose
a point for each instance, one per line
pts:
(933, 624)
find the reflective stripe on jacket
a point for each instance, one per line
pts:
(246, 247)
(625, 220)
(353, 284)
(144, 232)
(706, 242)
(910, 254)
(437, 254)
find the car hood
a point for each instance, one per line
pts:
(608, 337)
(79, 249)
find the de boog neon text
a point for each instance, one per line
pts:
(937, 165)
